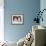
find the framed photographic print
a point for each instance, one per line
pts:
(17, 19)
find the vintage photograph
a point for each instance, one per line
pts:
(17, 19)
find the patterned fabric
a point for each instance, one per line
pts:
(28, 40)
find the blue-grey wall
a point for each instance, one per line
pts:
(26, 7)
(43, 6)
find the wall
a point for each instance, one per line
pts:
(26, 7)
(43, 6)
